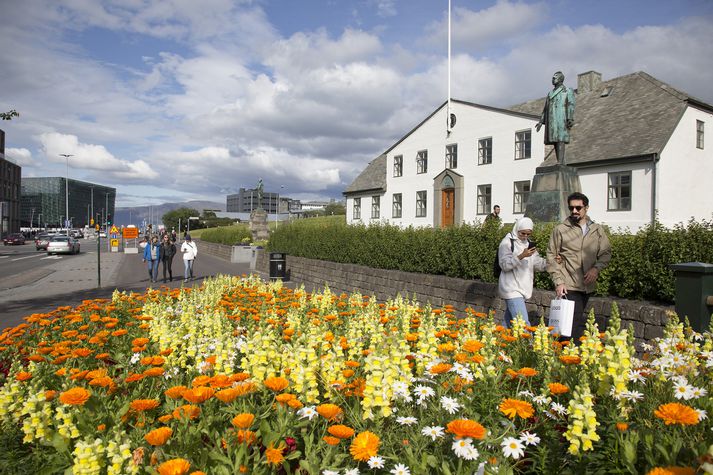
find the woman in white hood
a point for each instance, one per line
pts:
(518, 261)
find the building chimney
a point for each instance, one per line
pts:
(588, 81)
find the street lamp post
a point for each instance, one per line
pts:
(66, 189)
(189, 222)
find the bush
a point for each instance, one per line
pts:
(639, 268)
(230, 235)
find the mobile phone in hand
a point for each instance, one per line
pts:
(531, 244)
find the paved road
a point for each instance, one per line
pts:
(73, 279)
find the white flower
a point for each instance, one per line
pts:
(699, 392)
(646, 347)
(702, 414)
(632, 395)
(505, 357)
(541, 400)
(423, 392)
(307, 412)
(636, 376)
(433, 432)
(135, 358)
(463, 372)
(400, 469)
(682, 390)
(558, 408)
(406, 421)
(464, 449)
(351, 471)
(512, 447)
(400, 388)
(375, 462)
(529, 439)
(450, 405)
(527, 393)
(330, 472)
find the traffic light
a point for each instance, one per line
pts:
(108, 219)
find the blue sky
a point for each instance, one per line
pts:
(176, 100)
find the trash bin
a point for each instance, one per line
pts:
(694, 293)
(278, 265)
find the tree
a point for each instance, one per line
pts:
(170, 219)
(335, 207)
(9, 115)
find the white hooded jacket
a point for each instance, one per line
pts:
(517, 276)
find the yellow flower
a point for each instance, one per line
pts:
(364, 446)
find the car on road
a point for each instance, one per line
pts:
(15, 238)
(77, 233)
(41, 241)
(63, 245)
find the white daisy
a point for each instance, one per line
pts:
(512, 447)
(307, 412)
(400, 388)
(423, 392)
(558, 408)
(702, 414)
(541, 400)
(699, 392)
(646, 347)
(400, 469)
(682, 390)
(527, 393)
(450, 405)
(406, 421)
(463, 447)
(351, 471)
(632, 395)
(528, 438)
(376, 462)
(636, 376)
(135, 358)
(434, 432)
(330, 472)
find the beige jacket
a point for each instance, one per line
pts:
(579, 254)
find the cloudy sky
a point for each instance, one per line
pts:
(173, 100)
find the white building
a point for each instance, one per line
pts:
(638, 145)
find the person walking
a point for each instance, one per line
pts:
(190, 251)
(577, 252)
(168, 250)
(494, 217)
(152, 254)
(518, 259)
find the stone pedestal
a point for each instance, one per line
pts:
(258, 225)
(551, 185)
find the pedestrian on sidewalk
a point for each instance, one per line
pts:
(190, 251)
(168, 250)
(152, 254)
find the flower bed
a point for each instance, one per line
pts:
(240, 376)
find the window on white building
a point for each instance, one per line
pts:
(484, 198)
(420, 204)
(398, 165)
(422, 161)
(520, 194)
(485, 151)
(699, 134)
(396, 206)
(452, 156)
(523, 144)
(619, 191)
(356, 210)
(375, 207)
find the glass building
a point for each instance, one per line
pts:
(42, 202)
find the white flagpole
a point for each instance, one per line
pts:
(448, 108)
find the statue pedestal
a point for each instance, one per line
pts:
(258, 225)
(548, 197)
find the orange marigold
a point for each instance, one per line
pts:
(284, 398)
(158, 436)
(139, 341)
(175, 392)
(622, 426)
(671, 471)
(155, 371)
(331, 440)
(569, 359)
(227, 395)
(675, 413)
(174, 467)
(243, 421)
(201, 381)
(75, 396)
(516, 407)
(341, 431)
(187, 411)
(557, 388)
(246, 437)
(463, 428)
(527, 372)
(140, 405)
(364, 446)
(472, 346)
(276, 383)
(329, 411)
(199, 394)
(23, 376)
(274, 454)
(440, 368)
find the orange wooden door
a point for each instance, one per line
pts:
(447, 207)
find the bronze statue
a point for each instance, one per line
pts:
(260, 193)
(558, 116)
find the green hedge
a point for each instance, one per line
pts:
(230, 235)
(639, 268)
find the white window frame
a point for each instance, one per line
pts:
(356, 209)
(520, 196)
(615, 200)
(452, 156)
(523, 144)
(375, 207)
(422, 161)
(700, 131)
(485, 198)
(396, 205)
(398, 165)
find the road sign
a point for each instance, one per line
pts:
(114, 243)
(91, 222)
(131, 233)
(114, 230)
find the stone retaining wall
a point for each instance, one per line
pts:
(647, 319)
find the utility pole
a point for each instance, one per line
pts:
(66, 189)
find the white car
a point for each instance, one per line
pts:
(63, 245)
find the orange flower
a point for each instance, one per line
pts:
(50, 394)
(158, 436)
(174, 467)
(81, 352)
(295, 404)
(199, 394)
(622, 426)
(284, 398)
(671, 471)
(364, 446)
(516, 407)
(331, 440)
(155, 371)
(675, 413)
(472, 346)
(140, 405)
(139, 342)
(246, 437)
(227, 395)
(463, 428)
(341, 431)
(75, 396)
(23, 376)
(329, 411)
(243, 421)
(557, 388)
(274, 454)
(201, 381)
(175, 392)
(527, 372)
(276, 383)
(569, 359)
(188, 411)
(220, 381)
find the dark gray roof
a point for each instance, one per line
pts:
(635, 119)
(373, 178)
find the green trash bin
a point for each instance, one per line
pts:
(694, 293)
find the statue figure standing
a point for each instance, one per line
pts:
(259, 193)
(558, 116)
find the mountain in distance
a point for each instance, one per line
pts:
(154, 214)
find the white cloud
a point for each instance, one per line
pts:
(20, 156)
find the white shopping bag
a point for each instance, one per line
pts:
(562, 316)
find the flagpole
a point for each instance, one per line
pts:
(448, 107)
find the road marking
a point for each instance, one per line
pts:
(26, 257)
(4, 257)
(52, 257)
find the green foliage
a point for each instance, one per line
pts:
(230, 235)
(171, 219)
(639, 268)
(9, 115)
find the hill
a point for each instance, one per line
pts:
(153, 214)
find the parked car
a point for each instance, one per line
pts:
(63, 245)
(41, 241)
(76, 233)
(15, 238)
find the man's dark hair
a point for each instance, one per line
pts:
(496, 206)
(578, 196)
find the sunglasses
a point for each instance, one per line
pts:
(578, 208)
